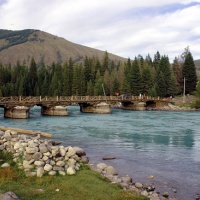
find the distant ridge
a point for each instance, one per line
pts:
(24, 44)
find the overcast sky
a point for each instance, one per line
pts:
(122, 27)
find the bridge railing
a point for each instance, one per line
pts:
(35, 99)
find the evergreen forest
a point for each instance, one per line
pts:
(152, 77)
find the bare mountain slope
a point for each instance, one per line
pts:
(23, 45)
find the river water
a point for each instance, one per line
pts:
(163, 144)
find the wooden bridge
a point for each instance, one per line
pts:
(19, 106)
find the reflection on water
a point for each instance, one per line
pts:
(163, 144)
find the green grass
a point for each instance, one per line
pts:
(85, 185)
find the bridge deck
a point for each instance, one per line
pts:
(73, 99)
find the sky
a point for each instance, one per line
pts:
(127, 28)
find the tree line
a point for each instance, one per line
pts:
(152, 77)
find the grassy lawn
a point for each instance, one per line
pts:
(86, 184)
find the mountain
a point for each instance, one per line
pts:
(24, 44)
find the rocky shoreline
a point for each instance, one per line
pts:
(38, 157)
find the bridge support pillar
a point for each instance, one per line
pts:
(54, 110)
(134, 106)
(101, 108)
(17, 112)
(141, 106)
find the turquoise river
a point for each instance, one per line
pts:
(163, 144)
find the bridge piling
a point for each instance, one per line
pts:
(101, 108)
(54, 110)
(17, 112)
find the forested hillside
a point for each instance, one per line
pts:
(153, 77)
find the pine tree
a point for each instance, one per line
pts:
(32, 77)
(177, 68)
(45, 87)
(67, 78)
(88, 70)
(147, 80)
(98, 85)
(120, 75)
(90, 90)
(152, 92)
(126, 88)
(42, 73)
(135, 79)
(115, 87)
(105, 64)
(156, 60)
(161, 86)
(164, 67)
(107, 81)
(189, 73)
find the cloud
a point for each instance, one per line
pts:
(118, 26)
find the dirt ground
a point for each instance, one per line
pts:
(188, 99)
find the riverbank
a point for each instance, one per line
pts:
(38, 157)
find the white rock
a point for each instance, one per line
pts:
(47, 154)
(54, 152)
(52, 162)
(17, 145)
(48, 167)
(5, 165)
(60, 163)
(24, 144)
(101, 166)
(39, 163)
(54, 147)
(144, 193)
(138, 185)
(43, 148)
(66, 158)
(70, 152)
(62, 173)
(40, 172)
(31, 149)
(110, 170)
(71, 162)
(7, 135)
(71, 171)
(52, 173)
(62, 152)
(45, 158)
(31, 143)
